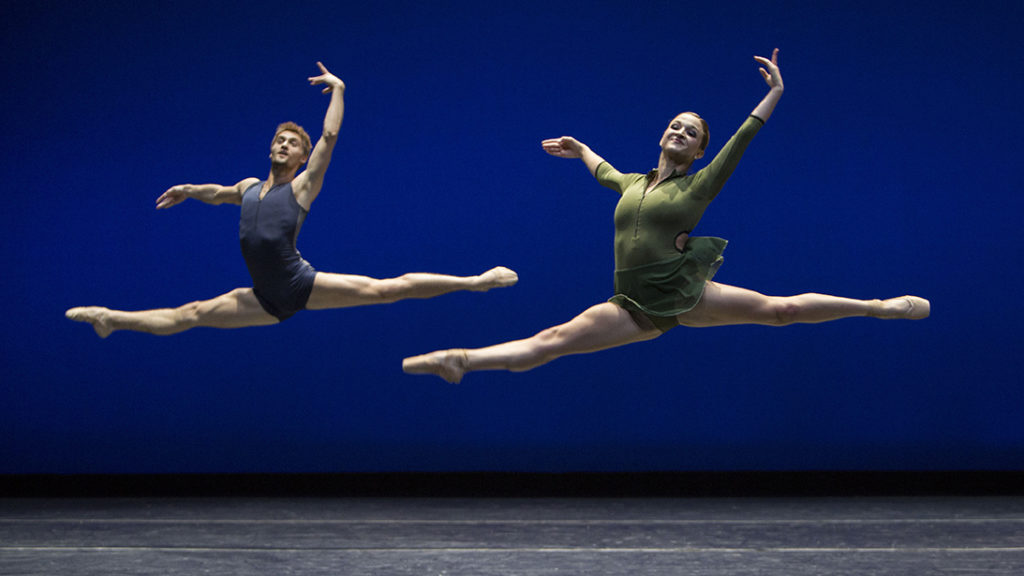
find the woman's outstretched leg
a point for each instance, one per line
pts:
(236, 309)
(597, 328)
(345, 290)
(723, 305)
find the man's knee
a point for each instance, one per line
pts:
(189, 314)
(385, 291)
(202, 312)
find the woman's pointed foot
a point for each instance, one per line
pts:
(904, 308)
(497, 277)
(95, 315)
(448, 364)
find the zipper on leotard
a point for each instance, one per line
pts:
(259, 204)
(639, 207)
(636, 225)
(260, 195)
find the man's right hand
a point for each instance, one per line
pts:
(174, 195)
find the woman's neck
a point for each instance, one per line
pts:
(668, 167)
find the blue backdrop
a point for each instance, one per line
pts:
(889, 167)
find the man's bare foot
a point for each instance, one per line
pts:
(448, 364)
(904, 307)
(95, 315)
(497, 277)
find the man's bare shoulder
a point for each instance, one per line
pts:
(245, 183)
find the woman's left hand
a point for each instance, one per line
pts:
(770, 70)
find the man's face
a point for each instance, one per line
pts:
(286, 150)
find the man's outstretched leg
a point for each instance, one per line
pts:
(345, 290)
(236, 309)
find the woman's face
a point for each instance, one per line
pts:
(683, 139)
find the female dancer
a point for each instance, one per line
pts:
(662, 275)
(272, 214)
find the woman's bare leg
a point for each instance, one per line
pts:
(344, 290)
(724, 305)
(236, 309)
(597, 328)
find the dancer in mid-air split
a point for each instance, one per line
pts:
(272, 214)
(662, 274)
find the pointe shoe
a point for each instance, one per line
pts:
(448, 364)
(93, 315)
(497, 277)
(917, 309)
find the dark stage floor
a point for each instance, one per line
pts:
(522, 536)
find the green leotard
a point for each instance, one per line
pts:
(651, 276)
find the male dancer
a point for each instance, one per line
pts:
(272, 213)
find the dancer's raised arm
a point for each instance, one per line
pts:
(569, 147)
(307, 185)
(208, 193)
(770, 72)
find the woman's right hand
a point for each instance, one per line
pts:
(564, 147)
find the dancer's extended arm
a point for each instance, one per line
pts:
(208, 193)
(307, 185)
(569, 147)
(772, 76)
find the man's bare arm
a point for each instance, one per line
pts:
(307, 185)
(208, 193)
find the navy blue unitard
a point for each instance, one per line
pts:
(267, 230)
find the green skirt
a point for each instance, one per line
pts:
(661, 290)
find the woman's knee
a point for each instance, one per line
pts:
(545, 341)
(784, 311)
(539, 349)
(548, 339)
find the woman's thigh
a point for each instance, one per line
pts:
(599, 327)
(724, 305)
